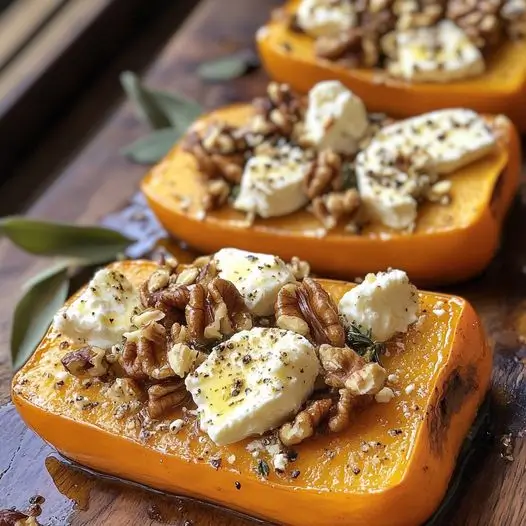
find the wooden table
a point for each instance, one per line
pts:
(97, 181)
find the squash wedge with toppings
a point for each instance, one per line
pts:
(289, 57)
(449, 243)
(397, 456)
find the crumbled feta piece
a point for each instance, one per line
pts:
(325, 17)
(252, 383)
(102, 313)
(335, 118)
(176, 425)
(258, 277)
(280, 462)
(272, 185)
(386, 303)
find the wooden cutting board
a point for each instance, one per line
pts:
(97, 182)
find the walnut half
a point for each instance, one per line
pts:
(166, 396)
(344, 368)
(305, 423)
(306, 305)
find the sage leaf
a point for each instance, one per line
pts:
(152, 147)
(43, 296)
(228, 67)
(90, 244)
(160, 109)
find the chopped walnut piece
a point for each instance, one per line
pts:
(344, 368)
(13, 518)
(513, 13)
(305, 423)
(216, 194)
(308, 302)
(299, 267)
(230, 313)
(331, 209)
(340, 420)
(479, 19)
(144, 353)
(288, 312)
(360, 45)
(324, 175)
(166, 396)
(219, 150)
(216, 311)
(88, 360)
(421, 13)
(278, 112)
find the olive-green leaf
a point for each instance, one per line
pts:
(152, 147)
(90, 244)
(227, 67)
(43, 296)
(160, 109)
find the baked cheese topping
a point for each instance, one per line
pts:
(336, 119)
(442, 53)
(273, 185)
(258, 277)
(406, 158)
(385, 303)
(102, 313)
(252, 382)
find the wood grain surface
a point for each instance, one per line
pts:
(97, 182)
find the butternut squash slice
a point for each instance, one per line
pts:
(289, 57)
(450, 243)
(391, 467)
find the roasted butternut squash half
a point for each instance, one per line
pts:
(119, 409)
(435, 239)
(490, 77)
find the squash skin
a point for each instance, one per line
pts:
(414, 484)
(501, 89)
(451, 243)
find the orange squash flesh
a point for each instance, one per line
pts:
(397, 478)
(450, 243)
(289, 57)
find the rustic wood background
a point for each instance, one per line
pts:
(95, 181)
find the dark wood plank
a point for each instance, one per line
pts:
(98, 181)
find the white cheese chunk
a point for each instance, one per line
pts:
(335, 118)
(440, 53)
(101, 314)
(325, 17)
(258, 277)
(272, 185)
(385, 303)
(404, 159)
(252, 383)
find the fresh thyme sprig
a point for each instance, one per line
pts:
(363, 343)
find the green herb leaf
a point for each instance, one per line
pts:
(228, 67)
(263, 469)
(362, 342)
(91, 244)
(349, 176)
(234, 192)
(158, 108)
(43, 296)
(152, 147)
